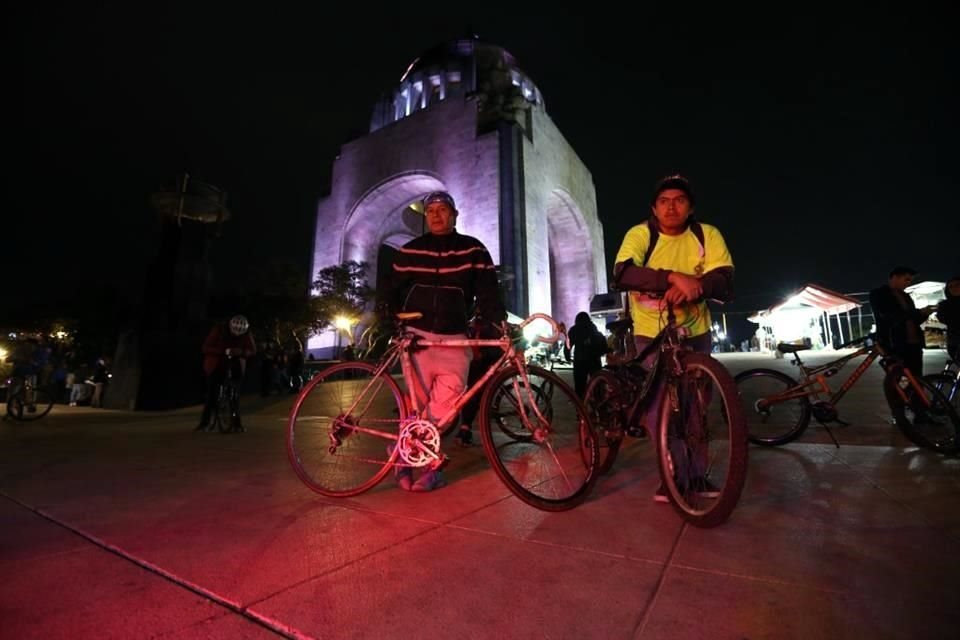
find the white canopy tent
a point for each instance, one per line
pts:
(927, 293)
(804, 316)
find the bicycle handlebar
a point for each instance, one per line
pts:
(558, 328)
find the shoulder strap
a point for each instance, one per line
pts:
(655, 235)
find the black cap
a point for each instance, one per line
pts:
(439, 196)
(676, 181)
(902, 271)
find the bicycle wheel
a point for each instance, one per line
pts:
(771, 423)
(928, 421)
(222, 411)
(554, 466)
(340, 427)
(505, 410)
(947, 385)
(32, 403)
(604, 402)
(702, 441)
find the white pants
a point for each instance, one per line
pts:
(441, 375)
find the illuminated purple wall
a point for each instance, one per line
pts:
(449, 145)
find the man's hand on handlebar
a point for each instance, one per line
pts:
(683, 288)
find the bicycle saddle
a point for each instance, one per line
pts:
(618, 326)
(784, 347)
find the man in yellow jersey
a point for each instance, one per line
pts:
(673, 258)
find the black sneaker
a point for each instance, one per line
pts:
(464, 436)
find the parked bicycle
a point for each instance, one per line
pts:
(701, 435)
(543, 448)
(779, 407)
(27, 399)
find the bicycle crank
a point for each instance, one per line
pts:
(824, 412)
(419, 444)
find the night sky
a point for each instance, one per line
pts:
(824, 146)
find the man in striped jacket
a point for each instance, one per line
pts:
(442, 275)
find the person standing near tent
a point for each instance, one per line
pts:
(898, 319)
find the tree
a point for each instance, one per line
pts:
(340, 290)
(275, 297)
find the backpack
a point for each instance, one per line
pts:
(655, 235)
(594, 345)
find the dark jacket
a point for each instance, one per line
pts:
(442, 277)
(218, 341)
(948, 312)
(587, 342)
(898, 320)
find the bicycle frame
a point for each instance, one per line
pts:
(817, 377)
(400, 350)
(670, 334)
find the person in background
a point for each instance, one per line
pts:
(589, 346)
(225, 352)
(948, 312)
(100, 378)
(898, 319)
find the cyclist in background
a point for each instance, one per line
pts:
(225, 352)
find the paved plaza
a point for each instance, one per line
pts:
(130, 525)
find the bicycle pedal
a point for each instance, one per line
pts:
(440, 464)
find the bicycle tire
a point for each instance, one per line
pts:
(681, 472)
(222, 410)
(338, 454)
(21, 410)
(936, 428)
(563, 445)
(505, 405)
(604, 402)
(796, 411)
(947, 385)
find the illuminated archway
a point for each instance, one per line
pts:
(572, 274)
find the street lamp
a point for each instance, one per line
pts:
(343, 325)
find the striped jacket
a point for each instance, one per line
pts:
(442, 277)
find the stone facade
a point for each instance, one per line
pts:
(519, 186)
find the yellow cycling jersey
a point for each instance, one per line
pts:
(682, 253)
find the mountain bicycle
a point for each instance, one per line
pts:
(27, 399)
(779, 407)
(701, 435)
(353, 423)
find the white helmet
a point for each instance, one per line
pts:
(239, 325)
